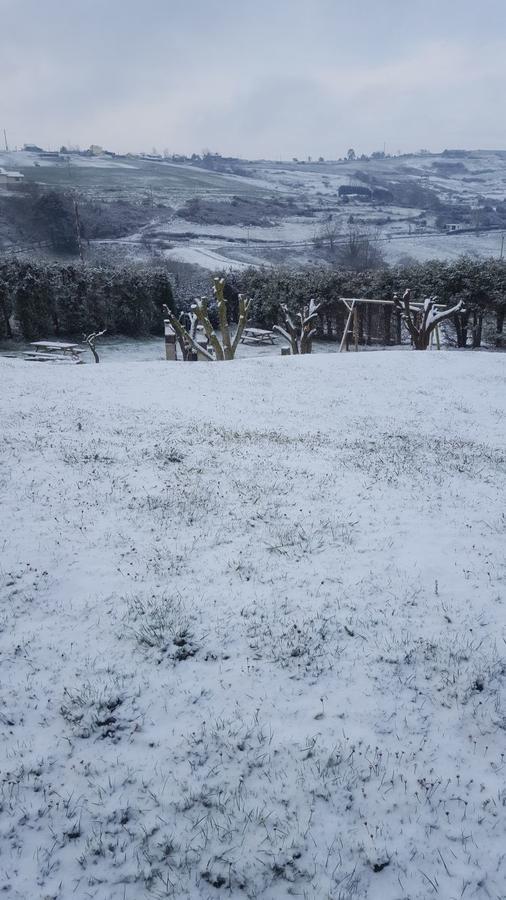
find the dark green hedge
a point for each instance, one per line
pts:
(481, 284)
(48, 299)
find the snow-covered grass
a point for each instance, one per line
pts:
(252, 631)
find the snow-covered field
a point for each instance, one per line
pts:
(213, 254)
(252, 631)
(477, 180)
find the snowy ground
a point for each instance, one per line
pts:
(252, 632)
(214, 255)
(120, 349)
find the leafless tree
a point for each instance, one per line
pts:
(424, 318)
(327, 235)
(220, 349)
(300, 329)
(360, 251)
(90, 340)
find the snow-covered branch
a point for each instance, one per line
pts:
(421, 322)
(300, 335)
(222, 349)
(90, 339)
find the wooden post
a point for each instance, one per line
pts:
(398, 328)
(344, 339)
(355, 327)
(170, 341)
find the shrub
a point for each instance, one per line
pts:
(50, 299)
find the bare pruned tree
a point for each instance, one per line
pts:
(299, 330)
(424, 318)
(221, 349)
(90, 339)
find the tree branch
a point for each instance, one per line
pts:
(200, 307)
(184, 335)
(244, 308)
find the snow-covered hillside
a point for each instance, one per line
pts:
(253, 629)
(145, 206)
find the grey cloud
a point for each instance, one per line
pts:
(283, 77)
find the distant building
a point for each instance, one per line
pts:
(450, 227)
(456, 153)
(32, 148)
(9, 178)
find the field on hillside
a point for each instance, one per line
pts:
(252, 629)
(267, 212)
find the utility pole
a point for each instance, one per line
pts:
(5, 139)
(78, 229)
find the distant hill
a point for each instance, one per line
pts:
(244, 212)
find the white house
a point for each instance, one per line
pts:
(9, 178)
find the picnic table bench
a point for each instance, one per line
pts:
(55, 351)
(257, 336)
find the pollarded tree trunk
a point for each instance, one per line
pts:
(300, 335)
(421, 341)
(219, 288)
(422, 320)
(224, 349)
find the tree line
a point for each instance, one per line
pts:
(480, 284)
(42, 298)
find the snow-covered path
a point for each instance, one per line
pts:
(252, 628)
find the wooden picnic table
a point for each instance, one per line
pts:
(257, 336)
(55, 351)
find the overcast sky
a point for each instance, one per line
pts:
(254, 78)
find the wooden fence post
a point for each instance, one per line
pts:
(170, 341)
